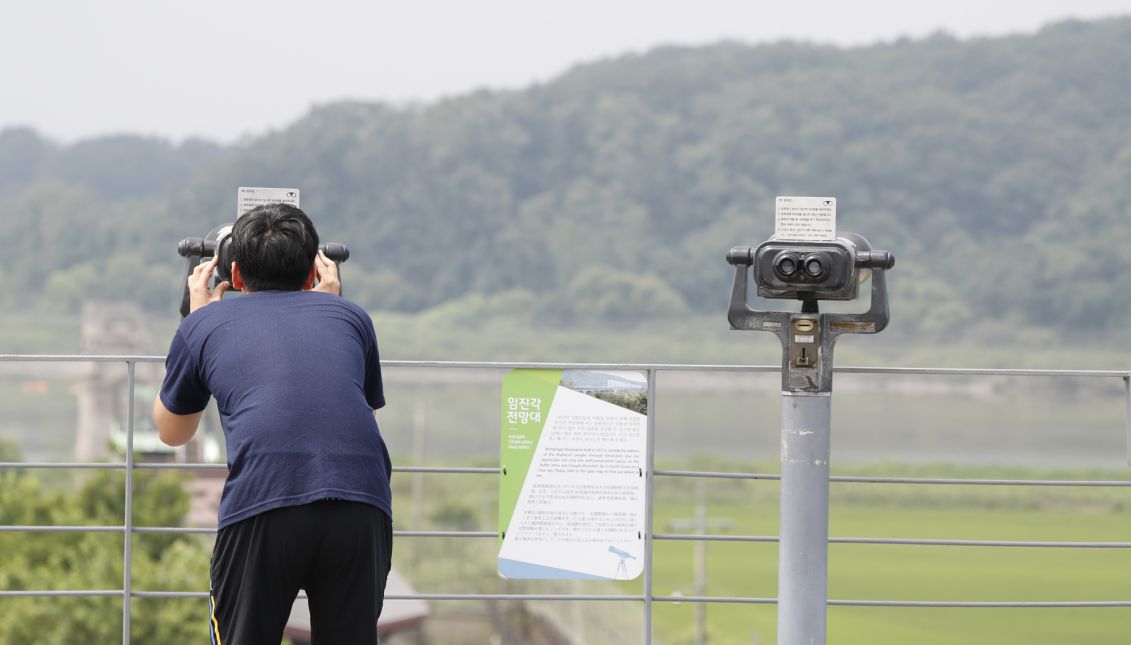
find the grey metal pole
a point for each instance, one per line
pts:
(127, 549)
(701, 562)
(649, 494)
(1127, 418)
(803, 553)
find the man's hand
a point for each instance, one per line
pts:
(199, 294)
(327, 273)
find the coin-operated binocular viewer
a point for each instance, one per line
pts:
(218, 243)
(809, 272)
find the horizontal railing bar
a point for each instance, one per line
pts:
(715, 537)
(515, 596)
(985, 604)
(62, 592)
(79, 358)
(455, 470)
(61, 464)
(630, 598)
(947, 481)
(60, 529)
(924, 371)
(426, 596)
(719, 599)
(447, 534)
(212, 531)
(503, 365)
(173, 594)
(202, 530)
(988, 543)
(661, 473)
(658, 536)
(178, 466)
(706, 474)
(906, 603)
(184, 594)
(468, 470)
(622, 598)
(944, 481)
(676, 367)
(445, 470)
(964, 371)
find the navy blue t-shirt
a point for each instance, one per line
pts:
(296, 377)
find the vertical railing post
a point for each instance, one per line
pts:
(1127, 416)
(127, 555)
(649, 479)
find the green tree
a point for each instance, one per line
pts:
(88, 561)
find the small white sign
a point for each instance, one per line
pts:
(248, 198)
(807, 219)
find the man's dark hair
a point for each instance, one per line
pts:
(274, 246)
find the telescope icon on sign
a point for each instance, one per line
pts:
(622, 568)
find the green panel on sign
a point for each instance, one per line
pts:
(527, 395)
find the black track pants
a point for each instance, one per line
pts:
(338, 551)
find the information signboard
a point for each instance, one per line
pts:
(572, 457)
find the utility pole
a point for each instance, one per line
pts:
(701, 525)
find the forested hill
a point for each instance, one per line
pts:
(997, 170)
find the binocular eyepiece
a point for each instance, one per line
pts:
(810, 270)
(196, 246)
(336, 251)
(204, 248)
(218, 243)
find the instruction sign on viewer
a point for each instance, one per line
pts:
(805, 219)
(248, 197)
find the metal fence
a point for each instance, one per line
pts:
(648, 597)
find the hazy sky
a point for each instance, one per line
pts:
(223, 69)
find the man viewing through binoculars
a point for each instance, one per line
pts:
(296, 375)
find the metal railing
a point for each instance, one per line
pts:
(647, 597)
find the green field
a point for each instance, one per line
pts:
(857, 572)
(912, 572)
(926, 573)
